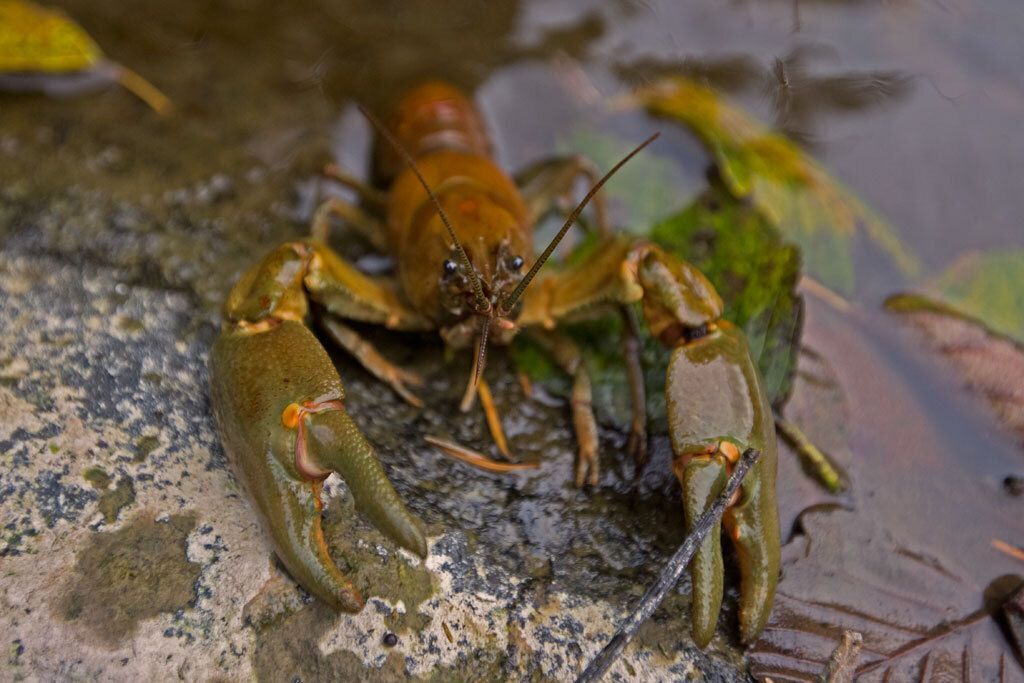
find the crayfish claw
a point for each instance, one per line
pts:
(336, 443)
(713, 389)
(279, 405)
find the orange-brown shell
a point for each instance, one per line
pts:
(443, 131)
(430, 117)
(483, 205)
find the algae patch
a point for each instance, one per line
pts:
(144, 446)
(290, 651)
(129, 575)
(112, 500)
(98, 477)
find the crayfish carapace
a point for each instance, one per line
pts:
(460, 232)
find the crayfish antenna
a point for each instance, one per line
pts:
(479, 360)
(525, 282)
(481, 357)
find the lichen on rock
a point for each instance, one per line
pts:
(125, 576)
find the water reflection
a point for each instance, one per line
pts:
(801, 95)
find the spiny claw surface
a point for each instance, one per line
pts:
(278, 402)
(716, 410)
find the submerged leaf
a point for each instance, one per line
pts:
(910, 561)
(988, 286)
(792, 190)
(919, 620)
(647, 187)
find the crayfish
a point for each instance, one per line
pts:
(460, 233)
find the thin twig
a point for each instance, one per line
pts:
(669, 575)
(814, 460)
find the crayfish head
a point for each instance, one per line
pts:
(466, 314)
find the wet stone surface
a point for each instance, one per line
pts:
(104, 388)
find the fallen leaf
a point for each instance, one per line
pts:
(36, 39)
(988, 286)
(919, 619)
(989, 364)
(647, 187)
(44, 50)
(907, 559)
(792, 190)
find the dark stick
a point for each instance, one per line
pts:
(669, 575)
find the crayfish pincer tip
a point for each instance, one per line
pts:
(337, 444)
(754, 526)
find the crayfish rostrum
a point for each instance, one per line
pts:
(460, 232)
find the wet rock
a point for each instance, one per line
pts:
(526, 576)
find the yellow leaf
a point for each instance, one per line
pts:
(36, 39)
(792, 190)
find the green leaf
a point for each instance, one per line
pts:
(988, 286)
(647, 187)
(792, 191)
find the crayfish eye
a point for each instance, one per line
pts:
(517, 262)
(449, 267)
(695, 333)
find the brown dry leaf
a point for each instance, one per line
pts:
(919, 620)
(907, 560)
(990, 365)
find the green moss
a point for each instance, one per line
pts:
(114, 500)
(97, 477)
(144, 446)
(129, 575)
